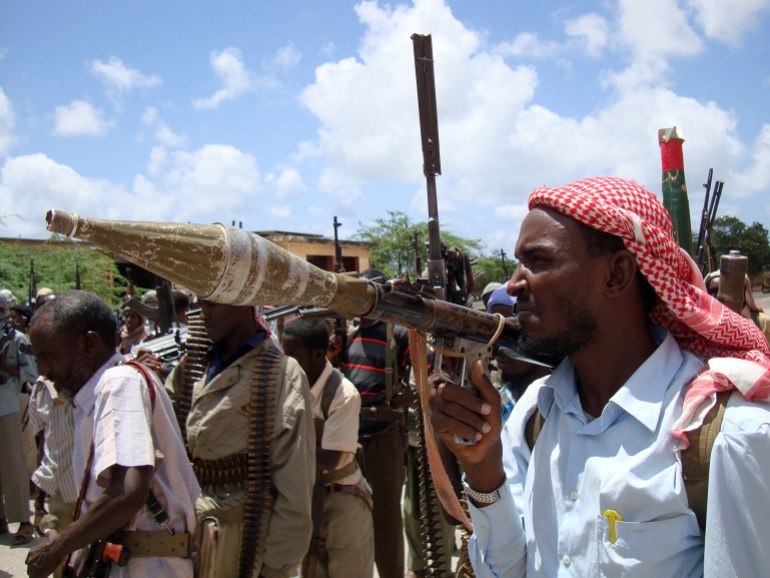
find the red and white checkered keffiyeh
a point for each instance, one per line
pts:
(698, 322)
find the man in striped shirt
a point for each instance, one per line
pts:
(55, 476)
(380, 433)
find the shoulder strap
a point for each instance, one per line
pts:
(147, 378)
(532, 428)
(696, 459)
(330, 390)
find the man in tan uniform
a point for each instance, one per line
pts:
(250, 434)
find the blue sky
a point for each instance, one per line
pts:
(282, 115)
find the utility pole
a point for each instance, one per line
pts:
(338, 266)
(505, 266)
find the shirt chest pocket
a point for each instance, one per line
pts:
(657, 549)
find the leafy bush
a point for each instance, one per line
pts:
(57, 264)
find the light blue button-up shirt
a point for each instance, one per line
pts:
(626, 461)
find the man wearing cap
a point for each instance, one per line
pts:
(515, 375)
(17, 367)
(19, 315)
(602, 283)
(133, 331)
(43, 294)
(489, 288)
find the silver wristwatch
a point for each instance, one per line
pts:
(482, 498)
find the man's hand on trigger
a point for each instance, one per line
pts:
(456, 411)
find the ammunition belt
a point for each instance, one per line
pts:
(154, 544)
(259, 482)
(193, 367)
(230, 471)
(382, 413)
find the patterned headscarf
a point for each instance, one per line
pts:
(698, 322)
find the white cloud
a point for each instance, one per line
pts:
(287, 57)
(119, 78)
(33, 184)
(591, 31)
(280, 211)
(657, 28)
(79, 118)
(7, 123)
(728, 21)
(286, 183)
(162, 133)
(478, 98)
(752, 178)
(213, 182)
(236, 78)
(529, 45)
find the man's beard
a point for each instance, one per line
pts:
(580, 329)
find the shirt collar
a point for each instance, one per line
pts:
(640, 396)
(317, 389)
(86, 397)
(217, 364)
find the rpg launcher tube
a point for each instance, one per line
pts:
(228, 265)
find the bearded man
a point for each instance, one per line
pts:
(602, 282)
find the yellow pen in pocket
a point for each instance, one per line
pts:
(613, 518)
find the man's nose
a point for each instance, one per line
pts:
(517, 286)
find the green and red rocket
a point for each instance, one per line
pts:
(674, 186)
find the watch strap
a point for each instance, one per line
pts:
(483, 498)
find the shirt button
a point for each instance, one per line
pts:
(566, 560)
(573, 496)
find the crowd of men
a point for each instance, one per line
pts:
(269, 452)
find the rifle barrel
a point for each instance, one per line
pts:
(431, 166)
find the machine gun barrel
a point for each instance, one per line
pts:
(228, 265)
(170, 347)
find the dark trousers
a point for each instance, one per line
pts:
(383, 467)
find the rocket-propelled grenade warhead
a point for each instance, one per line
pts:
(221, 264)
(228, 265)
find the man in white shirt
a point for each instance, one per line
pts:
(603, 283)
(127, 446)
(54, 477)
(343, 534)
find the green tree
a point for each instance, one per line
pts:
(394, 249)
(57, 264)
(392, 239)
(730, 233)
(394, 243)
(489, 267)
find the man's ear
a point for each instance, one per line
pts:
(319, 353)
(621, 273)
(91, 344)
